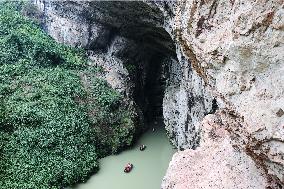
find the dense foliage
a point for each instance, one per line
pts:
(56, 117)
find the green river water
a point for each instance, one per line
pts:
(150, 165)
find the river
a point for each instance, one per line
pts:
(149, 168)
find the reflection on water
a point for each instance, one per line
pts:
(150, 165)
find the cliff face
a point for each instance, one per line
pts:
(215, 54)
(236, 47)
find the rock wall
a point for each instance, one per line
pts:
(186, 102)
(216, 164)
(219, 54)
(236, 47)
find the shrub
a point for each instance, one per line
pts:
(52, 127)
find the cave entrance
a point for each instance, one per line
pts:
(149, 66)
(155, 87)
(150, 88)
(145, 48)
(148, 52)
(131, 32)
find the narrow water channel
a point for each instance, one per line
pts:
(150, 165)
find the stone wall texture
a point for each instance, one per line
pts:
(237, 48)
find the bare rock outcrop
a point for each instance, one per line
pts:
(237, 48)
(217, 163)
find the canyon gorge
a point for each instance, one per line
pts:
(212, 68)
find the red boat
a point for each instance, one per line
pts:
(128, 168)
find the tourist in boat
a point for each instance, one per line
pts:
(153, 129)
(142, 147)
(128, 167)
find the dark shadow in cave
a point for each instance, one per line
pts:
(146, 57)
(151, 78)
(147, 64)
(150, 96)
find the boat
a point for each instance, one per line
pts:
(142, 148)
(128, 167)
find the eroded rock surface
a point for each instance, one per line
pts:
(237, 48)
(216, 164)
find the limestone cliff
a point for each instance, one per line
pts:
(236, 47)
(204, 55)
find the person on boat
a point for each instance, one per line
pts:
(153, 129)
(142, 147)
(128, 167)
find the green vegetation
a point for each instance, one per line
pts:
(56, 117)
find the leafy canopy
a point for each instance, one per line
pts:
(53, 128)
